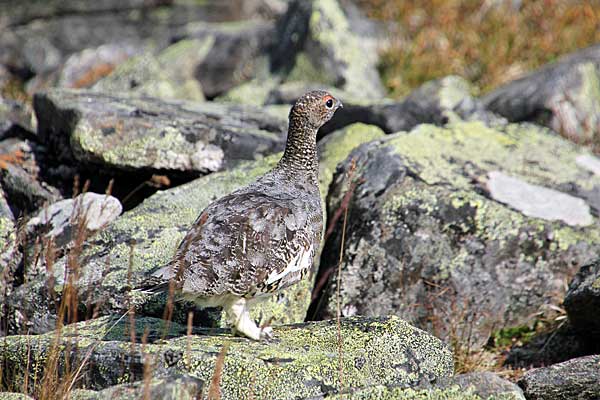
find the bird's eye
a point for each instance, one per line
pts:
(329, 103)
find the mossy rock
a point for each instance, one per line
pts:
(303, 361)
(426, 239)
(127, 133)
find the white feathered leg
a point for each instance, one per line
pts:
(239, 317)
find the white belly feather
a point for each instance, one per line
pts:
(301, 262)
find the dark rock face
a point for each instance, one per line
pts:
(555, 346)
(578, 378)
(128, 134)
(20, 176)
(564, 96)
(425, 241)
(582, 301)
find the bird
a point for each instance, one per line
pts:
(260, 238)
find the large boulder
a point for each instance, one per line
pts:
(564, 96)
(431, 237)
(582, 302)
(578, 378)
(128, 133)
(305, 360)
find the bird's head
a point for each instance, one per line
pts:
(314, 109)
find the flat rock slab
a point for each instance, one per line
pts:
(303, 361)
(578, 378)
(129, 134)
(537, 201)
(427, 242)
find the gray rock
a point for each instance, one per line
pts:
(589, 162)
(39, 35)
(88, 211)
(238, 53)
(486, 385)
(582, 301)
(564, 96)
(436, 102)
(14, 396)
(538, 201)
(317, 44)
(15, 116)
(10, 257)
(83, 69)
(171, 388)
(128, 134)
(20, 172)
(168, 75)
(303, 362)
(424, 240)
(578, 378)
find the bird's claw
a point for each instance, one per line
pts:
(266, 334)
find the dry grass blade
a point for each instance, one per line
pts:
(214, 390)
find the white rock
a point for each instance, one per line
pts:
(589, 162)
(98, 210)
(537, 201)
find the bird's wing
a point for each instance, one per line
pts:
(246, 244)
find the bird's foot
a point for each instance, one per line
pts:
(267, 334)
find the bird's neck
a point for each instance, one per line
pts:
(300, 155)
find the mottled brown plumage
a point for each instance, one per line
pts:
(262, 237)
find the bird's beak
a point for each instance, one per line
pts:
(340, 105)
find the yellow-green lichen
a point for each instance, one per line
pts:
(303, 361)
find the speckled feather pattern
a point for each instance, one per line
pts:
(245, 243)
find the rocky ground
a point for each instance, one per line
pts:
(469, 221)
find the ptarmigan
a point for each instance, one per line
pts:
(260, 238)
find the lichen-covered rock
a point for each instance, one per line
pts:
(425, 241)
(317, 44)
(129, 134)
(582, 301)
(304, 361)
(168, 75)
(14, 396)
(578, 378)
(10, 255)
(146, 238)
(486, 385)
(564, 96)
(172, 388)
